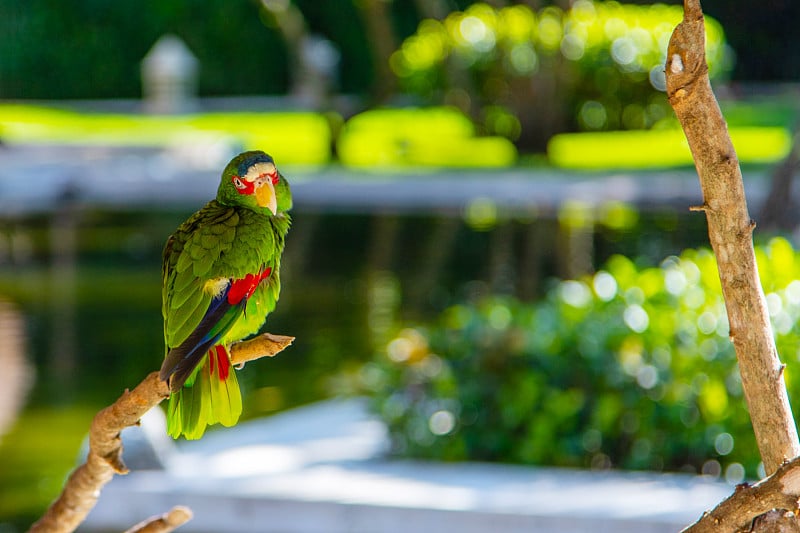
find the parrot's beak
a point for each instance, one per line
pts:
(265, 196)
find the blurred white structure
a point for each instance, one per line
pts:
(316, 76)
(323, 468)
(169, 77)
(16, 374)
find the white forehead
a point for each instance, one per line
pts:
(259, 169)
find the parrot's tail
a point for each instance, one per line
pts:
(210, 396)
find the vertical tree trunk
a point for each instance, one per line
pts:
(730, 232)
(292, 25)
(777, 208)
(432, 9)
(437, 251)
(63, 280)
(382, 37)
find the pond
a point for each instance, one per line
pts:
(87, 284)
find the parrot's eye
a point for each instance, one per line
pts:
(238, 183)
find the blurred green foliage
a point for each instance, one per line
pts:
(92, 49)
(390, 138)
(35, 457)
(605, 60)
(628, 368)
(437, 136)
(659, 148)
(292, 137)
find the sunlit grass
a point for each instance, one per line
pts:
(302, 138)
(659, 148)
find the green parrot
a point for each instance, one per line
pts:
(220, 280)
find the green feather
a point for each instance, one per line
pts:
(208, 400)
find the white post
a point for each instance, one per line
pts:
(169, 77)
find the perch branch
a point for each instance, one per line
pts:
(82, 488)
(779, 491)
(265, 345)
(175, 517)
(730, 232)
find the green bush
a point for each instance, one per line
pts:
(629, 368)
(660, 148)
(604, 60)
(432, 136)
(293, 137)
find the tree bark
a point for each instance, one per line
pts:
(177, 516)
(748, 502)
(730, 232)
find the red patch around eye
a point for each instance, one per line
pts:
(243, 186)
(273, 177)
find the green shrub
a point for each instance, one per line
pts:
(660, 148)
(629, 368)
(603, 61)
(293, 137)
(433, 136)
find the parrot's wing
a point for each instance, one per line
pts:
(258, 306)
(194, 303)
(218, 319)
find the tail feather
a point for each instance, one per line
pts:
(225, 395)
(211, 397)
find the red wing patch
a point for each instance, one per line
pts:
(241, 289)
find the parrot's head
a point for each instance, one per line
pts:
(252, 180)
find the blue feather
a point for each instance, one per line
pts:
(181, 360)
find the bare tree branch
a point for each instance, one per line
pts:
(779, 491)
(730, 232)
(177, 516)
(82, 489)
(265, 345)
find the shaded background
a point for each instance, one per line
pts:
(84, 279)
(243, 53)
